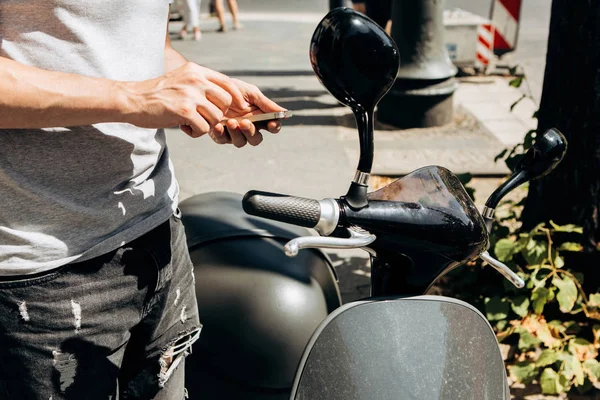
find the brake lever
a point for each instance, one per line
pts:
(503, 269)
(357, 239)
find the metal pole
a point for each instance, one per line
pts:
(422, 94)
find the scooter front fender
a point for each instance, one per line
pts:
(423, 347)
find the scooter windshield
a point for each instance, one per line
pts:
(431, 186)
(427, 211)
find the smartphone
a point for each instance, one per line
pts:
(265, 116)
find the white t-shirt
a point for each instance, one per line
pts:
(74, 193)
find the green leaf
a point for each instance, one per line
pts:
(570, 228)
(550, 383)
(559, 262)
(535, 252)
(578, 307)
(570, 246)
(523, 372)
(582, 349)
(516, 82)
(547, 357)
(592, 368)
(496, 309)
(539, 298)
(557, 326)
(594, 300)
(527, 340)
(520, 305)
(545, 335)
(505, 249)
(501, 325)
(596, 332)
(567, 293)
(572, 369)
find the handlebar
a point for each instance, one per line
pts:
(290, 209)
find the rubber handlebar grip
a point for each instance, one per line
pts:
(290, 209)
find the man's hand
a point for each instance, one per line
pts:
(242, 131)
(197, 99)
(190, 96)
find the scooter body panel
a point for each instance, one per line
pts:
(423, 347)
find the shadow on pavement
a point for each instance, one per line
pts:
(354, 274)
(267, 72)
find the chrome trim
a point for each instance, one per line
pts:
(330, 215)
(488, 212)
(362, 178)
(503, 269)
(356, 240)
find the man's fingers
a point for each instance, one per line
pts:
(220, 136)
(210, 112)
(258, 99)
(237, 136)
(271, 126)
(195, 126)
(255, 139)
(219, 97)
(251, 132)
(223, 81)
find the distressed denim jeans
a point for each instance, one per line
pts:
(115, 327)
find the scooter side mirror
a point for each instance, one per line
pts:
(547, 152)
(357, 62)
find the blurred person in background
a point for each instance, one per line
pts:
(220, 10)
(191, 18)
(359, 5)
(379, 11)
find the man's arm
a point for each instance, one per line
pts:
(35, 98)
(189, 95)
(173, 59)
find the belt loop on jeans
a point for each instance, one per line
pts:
(177, 213)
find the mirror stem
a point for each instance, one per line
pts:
(364, 123)
(357, 193)
(511, 183)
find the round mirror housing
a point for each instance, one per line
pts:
(546, 153)
(354, 58)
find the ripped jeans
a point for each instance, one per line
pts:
(115, 327)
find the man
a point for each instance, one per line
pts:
(96, 287)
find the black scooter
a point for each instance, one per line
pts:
(274, 327)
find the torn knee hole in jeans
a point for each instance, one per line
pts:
(174, 353)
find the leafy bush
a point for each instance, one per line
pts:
(550, 323)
